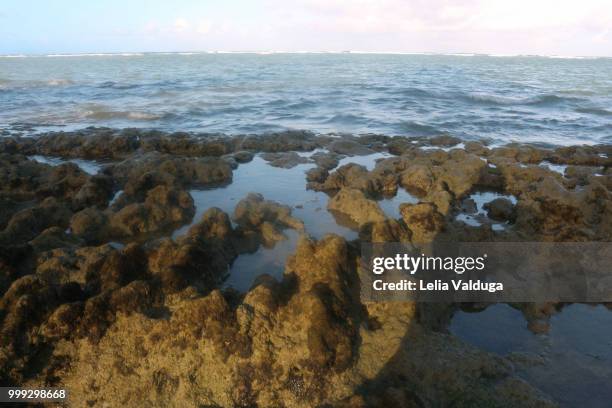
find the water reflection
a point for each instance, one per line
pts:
(572, 362)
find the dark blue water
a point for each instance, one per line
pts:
(572, 363)
(551, 100)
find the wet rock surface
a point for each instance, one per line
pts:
(500, 209)
(95, 295)
(285, 160)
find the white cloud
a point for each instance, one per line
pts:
(444, 15)
(493, 26)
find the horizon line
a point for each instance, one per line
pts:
(271, 52)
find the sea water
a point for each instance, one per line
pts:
(529, 99)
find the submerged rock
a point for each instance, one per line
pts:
(349, 148)
(285, 160)
(326, 160)
(243, 156)
(254, 210)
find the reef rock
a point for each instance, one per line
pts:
(423, 220)
(162, 209)
(500, 209)
(354, 204)
(285, 160)
(267, 219)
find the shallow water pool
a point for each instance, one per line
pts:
(572, 362)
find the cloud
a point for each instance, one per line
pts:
(181, 25)
(444, 15)
(493, 26)
(490, 26)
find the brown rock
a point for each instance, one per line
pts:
(417, 179)
(252, 211)
(243, 156)
(423, 220)
(317, 175)
(284, 160)
(354, 204)
(349, 148)
(500, 209)
(326, 160)
(164, 208)
(444, 140)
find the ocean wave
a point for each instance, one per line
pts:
(344, 118)
(276, 102)
(219, 111)
(403, 96)
(413, 128)
(170, 84)
(595, 111)
(59, 82)
(304, 104)
(7, 84)
(287, 104)
(116, 85)
(416, 92)
(107, 114)
(545, 99)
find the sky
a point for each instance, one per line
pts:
(507, 27)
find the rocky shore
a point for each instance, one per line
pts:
(98, 295)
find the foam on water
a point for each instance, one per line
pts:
(88, 166)
(557, 168)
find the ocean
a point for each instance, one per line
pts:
(547, 100)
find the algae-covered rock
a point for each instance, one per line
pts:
(423, 220)
(354, 204)
(500, 209)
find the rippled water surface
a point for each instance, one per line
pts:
(552, 100)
